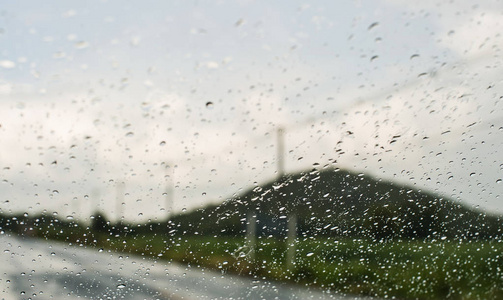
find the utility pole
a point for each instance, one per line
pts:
(74, 207)
(292, 217)
(280, 151)
(170, 189)
(119, 201)
(251, 228)
(290, 241)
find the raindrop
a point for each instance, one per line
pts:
(163, 143)
(310, 254)
(373, 25)
(7, 64)
(81, 45)
(204, 194)
(498, 181)
(209, 104)
(130, 134)
(135, 41)
(239, 23)
(374, 58)
(59, 55)
(121, 286)
(69, 217)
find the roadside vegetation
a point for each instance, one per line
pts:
(395, 268)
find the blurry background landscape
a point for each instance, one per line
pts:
(188, 96)
(165, 129)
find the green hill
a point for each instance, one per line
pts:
(335, 202)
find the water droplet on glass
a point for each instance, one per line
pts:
(310, 254)
(209, 104)
(239, 22)
(135, 41)
(121, 286)
(130, 134)
(163, 143)
(81, 45)
(7, 64)
(373, 25)
(59, 54)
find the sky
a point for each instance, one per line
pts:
(134, 102)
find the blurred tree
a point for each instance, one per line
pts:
(99, 223)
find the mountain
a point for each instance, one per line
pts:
(335, 202)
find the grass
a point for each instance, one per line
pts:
(406, 269)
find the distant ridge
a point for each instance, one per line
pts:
(335, 202)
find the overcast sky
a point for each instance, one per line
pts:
(95, 93)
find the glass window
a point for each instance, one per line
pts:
(251, 150)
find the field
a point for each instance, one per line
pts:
(400, 269)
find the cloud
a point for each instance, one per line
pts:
(464, 27)
(478, 34)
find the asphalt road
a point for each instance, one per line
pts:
(37, 269)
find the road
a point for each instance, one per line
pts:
(37, 269)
